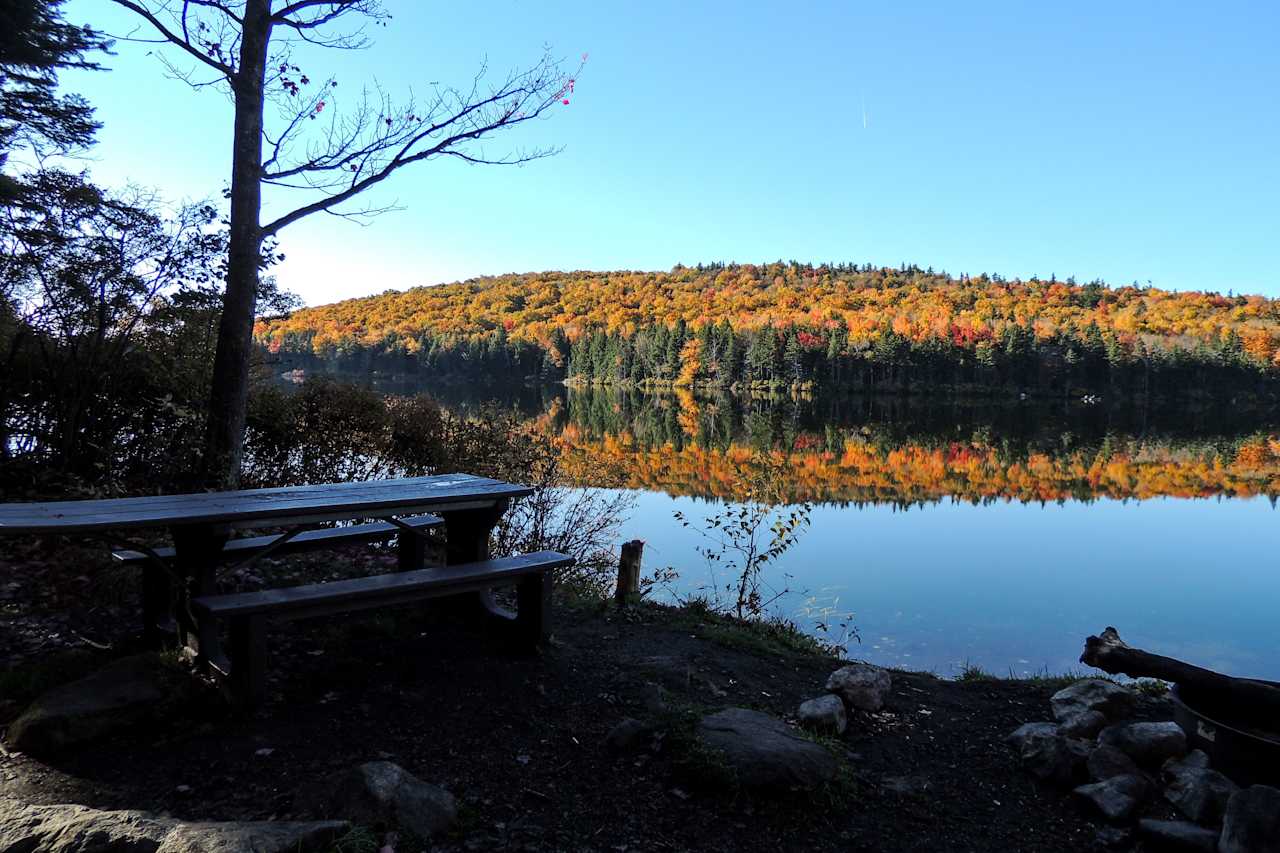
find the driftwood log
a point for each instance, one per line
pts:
(1254, 699)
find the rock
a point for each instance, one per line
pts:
(1114, 837)
(80, 829)
(1092, 694)
(1117, 798)
(381, 792)
(763, 752)
(1055, 759)
(861, 686)
(119, 696)
(1107, 761)
(824, 714)
(1197, 791)
(1252, 822)
(1196, 758)
(1176, 836)
(1084, 725)
(263, 836)
(1149, 744)
(72, 829)
(1028, 732)
(630, 735)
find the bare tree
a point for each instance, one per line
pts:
(331, 156)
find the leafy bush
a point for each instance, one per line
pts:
(329, 431)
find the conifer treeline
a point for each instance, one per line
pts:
(805, 357)
(792, 325)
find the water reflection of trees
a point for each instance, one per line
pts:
(894, 450)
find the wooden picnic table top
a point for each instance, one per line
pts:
(262, 507)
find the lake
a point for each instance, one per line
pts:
(956, 534)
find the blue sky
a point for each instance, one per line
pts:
(1122, 141)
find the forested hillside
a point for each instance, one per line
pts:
(789, 324)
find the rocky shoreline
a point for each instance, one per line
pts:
(1115, 767)
(653, 728)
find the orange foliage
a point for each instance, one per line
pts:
(916, 303)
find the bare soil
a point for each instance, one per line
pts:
(520, 740)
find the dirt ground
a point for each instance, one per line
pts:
(519, 740)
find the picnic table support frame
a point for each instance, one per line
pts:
(467, 535)
(157, 605)
(411, 546)
(248, 641)
(197, 549)
(533, 603)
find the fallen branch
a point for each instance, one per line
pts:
(1254, 699)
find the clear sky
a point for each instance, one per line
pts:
(1117, 140)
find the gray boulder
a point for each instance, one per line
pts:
(1117, 798)
(1176, 836)
(381, 792)
(1092, 694)
(1196, 758)
(1252, 822)
(762, 752)
(824, 714)
(1048, 755)
(1114, 837)
(1028, 732)
(862, 686)
(1195, 790)
(262, 836)
(1107, 761)
(80, 829)
(1055, 759)
(119, 696)
(1084, 725)
(1149, 744)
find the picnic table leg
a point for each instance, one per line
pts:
(157, 606)
(533, 606)
(411, 550)
(197, 549)
(249, 660)
(467, 535)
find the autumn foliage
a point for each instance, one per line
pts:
(916, 304)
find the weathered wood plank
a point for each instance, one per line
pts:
(243, 508)
(310, 540)
(378, 589)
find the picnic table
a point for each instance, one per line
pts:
(179, 583)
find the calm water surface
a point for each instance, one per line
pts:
(1016, 588)
(953, 535)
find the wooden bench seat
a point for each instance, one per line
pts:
(247, 612)
(308, 540)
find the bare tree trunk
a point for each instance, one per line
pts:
(228, 401)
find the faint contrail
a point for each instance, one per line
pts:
(864, 112)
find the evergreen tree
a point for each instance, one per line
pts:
(36, 43)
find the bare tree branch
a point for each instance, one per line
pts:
(184, 43)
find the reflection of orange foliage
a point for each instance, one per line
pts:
(1258, 456)
(907, 474)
